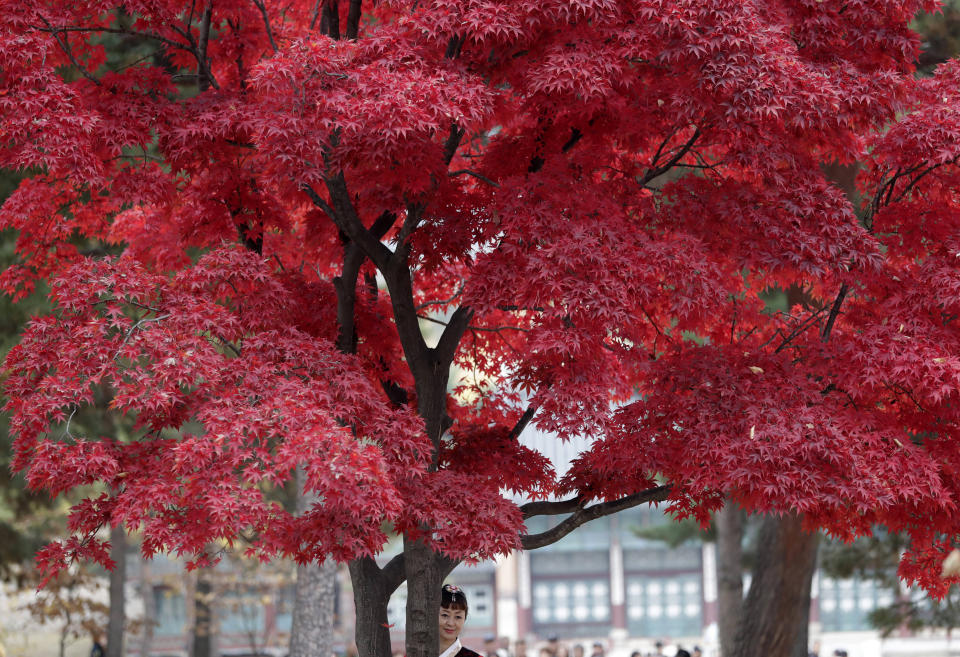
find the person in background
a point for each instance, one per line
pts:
(97, 649)
(578, 650)
(697, 652)
(658, 646)
(490, 646)
(453, 614)
(681, 652)
(520, 648)
(553, 645)
(503, 647)
(597, 650)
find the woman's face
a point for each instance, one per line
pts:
(451, 622)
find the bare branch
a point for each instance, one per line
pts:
(834, 312)
(204, 75)
(585, 514)
(447, 345)
(113, 30)
(798, 330)
(132, 330)
(542, 508)
(523, 422)
(478, 176)
(65, 46)
(262, 6)
(443, 302)
(344, 216)
(394, 572)
(653, 172)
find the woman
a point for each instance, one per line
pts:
(453, 614)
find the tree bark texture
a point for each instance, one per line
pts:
(729, 574)
(311, 632)
(424, 579)
(118, 579)
(371, 594)
(776, 612)
(202, 643)
(149, 608)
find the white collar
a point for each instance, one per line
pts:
(453, 649)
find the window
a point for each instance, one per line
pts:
(171, 611)
(664, 606)
(570, 602)
(845, 604)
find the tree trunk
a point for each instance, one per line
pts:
(149, 608)
(118, 579)
(311, 634)
(776, 612)
(371, 594)
(202, 645)
(424, 579)
(729, 574)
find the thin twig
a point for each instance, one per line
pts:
(478, 176)
(140, 322)
(443, 302)
(62, 41)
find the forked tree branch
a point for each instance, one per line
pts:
(582, 514)
(394, 572)
(344, 216)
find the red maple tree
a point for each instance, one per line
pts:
(594, 200)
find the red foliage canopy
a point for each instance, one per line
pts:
(601, 201)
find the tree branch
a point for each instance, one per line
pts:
(834, 312)
(62, 41)
(443, 302)
(542, 508)
(344, 216)
(394, 572)
(586, 514)
(478, 176)
(262, 6)
(447, 346)
(523, 422)
(115, 30)
(204, 75)
(681, 152)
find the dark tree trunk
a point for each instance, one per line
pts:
(424, 580)
(371, 594)
(776, 612)
(202, 644)
(729, 574)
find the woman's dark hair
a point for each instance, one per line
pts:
(453, 597)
